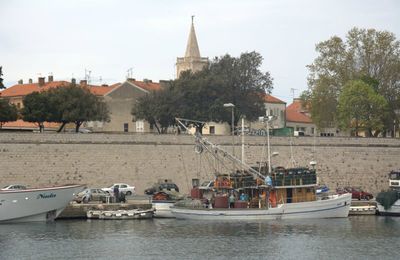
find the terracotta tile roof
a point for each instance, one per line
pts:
(271, 99)
(295, 113)
(101, 90)
(146, 85)
(20, 124)
(25, 89)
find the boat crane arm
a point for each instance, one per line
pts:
(200, 140)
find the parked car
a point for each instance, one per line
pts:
(122, 187)
(207, 185)
(160, 186)
(91, 195)
(14, 187)
(356, 193)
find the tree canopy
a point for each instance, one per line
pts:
(361, 108)
(201, 95)
(75, 104)
(370, 55)
(67, 104)
(8, 112)
(36, 108)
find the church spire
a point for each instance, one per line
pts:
(192, 60)
(192, 48)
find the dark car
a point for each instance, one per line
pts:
(356, 193)
(170, 186)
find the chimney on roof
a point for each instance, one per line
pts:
(104, 85)
(131, 79)
(20, 82)
(41, 81)
(50, 78)
(73, 81)
(83, 83)
(147, 81)
(30, 81)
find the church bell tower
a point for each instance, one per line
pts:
(192, 60)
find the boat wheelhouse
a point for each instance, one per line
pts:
(388, 202)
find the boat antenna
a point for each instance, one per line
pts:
(292, 160)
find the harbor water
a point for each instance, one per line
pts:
(358, 237)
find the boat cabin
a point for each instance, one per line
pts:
(394, 179)
(288, 186)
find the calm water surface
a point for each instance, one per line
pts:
(364, 237)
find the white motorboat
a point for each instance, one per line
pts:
(162, 202)
(265, 193)
(163, 208)
(388, 202)
(38, 204)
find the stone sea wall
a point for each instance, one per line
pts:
(99, 160)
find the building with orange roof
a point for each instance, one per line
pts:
(273, 106)
(15, 94)
(299, 119)
(120, 101)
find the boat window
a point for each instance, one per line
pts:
(395, 176)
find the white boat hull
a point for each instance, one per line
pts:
(394, 210)
(362, 210)
(337, 206)
(35, 204)
(163, 208)
(120, 214)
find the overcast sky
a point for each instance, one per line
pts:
(108, 37)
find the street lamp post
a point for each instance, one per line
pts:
(232, 106)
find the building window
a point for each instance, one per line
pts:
(212, 130)
(312, 130)
(140, 126)
(126, 127)
(18, 105)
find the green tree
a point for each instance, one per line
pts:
(1, 79)
(75, 104)
(36, 108)
(8, 112)
(370, 55)
(201, 95)
(361, 108)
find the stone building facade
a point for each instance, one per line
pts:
(120, 101)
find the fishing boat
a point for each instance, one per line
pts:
(37, 204)
(260, 193)
(388, 202)
(120, 214)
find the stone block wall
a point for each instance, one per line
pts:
(99, 160)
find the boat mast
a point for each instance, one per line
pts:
(266, 120)
(242, 139)
(214, 149)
